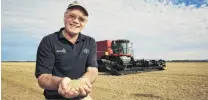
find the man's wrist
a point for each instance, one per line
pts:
(56, 81)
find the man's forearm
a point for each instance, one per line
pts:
(91, 74)
(49, 82)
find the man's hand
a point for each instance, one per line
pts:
(85, 87)
(71, 88)
(66, 90)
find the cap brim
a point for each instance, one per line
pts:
(83, 9)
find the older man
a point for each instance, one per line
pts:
(66, 64)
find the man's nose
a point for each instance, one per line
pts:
(76, 20)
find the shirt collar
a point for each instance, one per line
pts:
(61, 36)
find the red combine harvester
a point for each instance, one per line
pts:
(116, 57)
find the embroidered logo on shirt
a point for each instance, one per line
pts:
(86, 50)
(62, 50)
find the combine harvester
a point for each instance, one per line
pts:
(116, 57)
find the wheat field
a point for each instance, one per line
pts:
(179, 81)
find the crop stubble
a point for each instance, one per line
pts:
(180, 81)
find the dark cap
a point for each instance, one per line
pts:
(76, 4)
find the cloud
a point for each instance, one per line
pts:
(157, 30)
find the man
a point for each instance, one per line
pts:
(66, 64)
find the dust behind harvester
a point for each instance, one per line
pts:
(116, 57)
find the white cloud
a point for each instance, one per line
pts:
(154, 28)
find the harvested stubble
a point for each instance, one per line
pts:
(180, 81)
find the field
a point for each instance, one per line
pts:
(180, 81)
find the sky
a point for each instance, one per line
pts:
(158, 29)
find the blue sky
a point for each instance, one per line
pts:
(168, 29)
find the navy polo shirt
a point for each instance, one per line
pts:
(59, 57)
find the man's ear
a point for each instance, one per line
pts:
(65, 14)
(86, 21)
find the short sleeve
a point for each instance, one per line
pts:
(45, 58)
(92, 57)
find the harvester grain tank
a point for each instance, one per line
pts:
(116, 57)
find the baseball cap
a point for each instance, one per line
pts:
(77, 4)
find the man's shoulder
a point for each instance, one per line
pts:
(88, 38)
(51, 36)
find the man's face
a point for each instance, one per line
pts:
(74, 20)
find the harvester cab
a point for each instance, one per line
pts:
(116, 57)
(122, 47)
